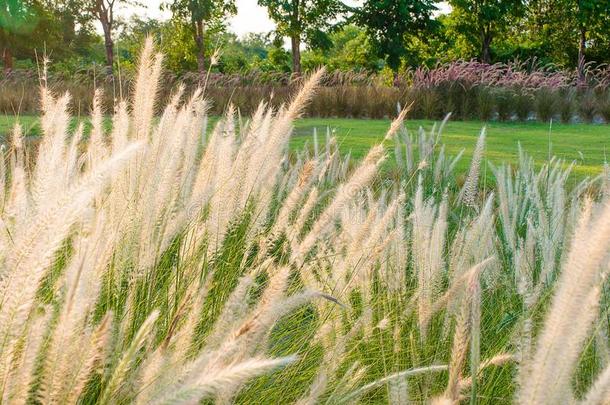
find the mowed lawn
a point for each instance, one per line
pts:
(584, 144)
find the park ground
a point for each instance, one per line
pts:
(584, 144)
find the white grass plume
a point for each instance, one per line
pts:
(573, 310)
(471, 186)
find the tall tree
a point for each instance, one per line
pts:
(485, 19)
(103, 11)
(303, 21)
(202, 16)
(17, 18)
(589, 16)
(573, 30)
(75, 30)
(387, 22)
(28, 26)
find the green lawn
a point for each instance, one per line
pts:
(585, 144)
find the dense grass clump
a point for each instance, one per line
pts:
(154, 263)
(470, 90)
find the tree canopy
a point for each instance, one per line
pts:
(202, 17)
(390, 22)
(377, 35)
(304, 21)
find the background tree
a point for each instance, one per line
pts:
(76, 27)
(132, 33)
(203, 17)
(303, 21)
(482, 20)
(350, 50)
(388, 22)
(17, 19)
(28, 27)
(569, 31)
(590, 15)
(104, 12)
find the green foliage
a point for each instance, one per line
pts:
(210, 11)
(390, 23)
(201, 18)
(34, 27)
(480, 21)
(18, 17)
(555, 25)
(546, 104)
(392, 33)
(304, 21)
(587, 107)
(485, 103)
(351, 51)
(303, 18)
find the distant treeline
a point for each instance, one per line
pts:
(388, 37)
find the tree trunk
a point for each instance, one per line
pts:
(7, 60)
(582, 45)
(486, 38)
(199, 42)
(109, 45)
(295, 42)
(109, 53)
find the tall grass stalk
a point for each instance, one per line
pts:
(159, 261)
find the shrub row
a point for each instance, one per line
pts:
(490, 98)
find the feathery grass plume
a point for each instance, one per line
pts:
(600, 391)
(54, 123)
(97, 150)
(466, 321)
(524, 273)
(377, 239)
(233, 313)
(345, 192)
(17, 202)
(455, 290)
(125, 365)
(34, 248)
(92, 360)
(145, 89)
(428, 241)
(510, 203)
(18, 368)
(334, 354)
(400, 375)
(296, 228)
(208, 384)
(362, 243)
(397, 123)
(474, 242)
(469, 192)
(234, 350)
(83, 343)
(496, 361)
(574, 308)
(293, 198)
(156, 262)
(475, 337)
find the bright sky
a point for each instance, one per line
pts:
(250, 16)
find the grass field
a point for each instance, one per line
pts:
(584, 144)
(139, 266)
